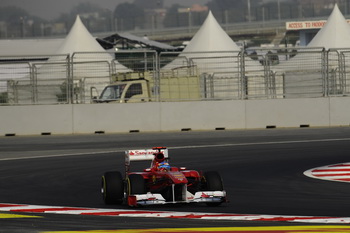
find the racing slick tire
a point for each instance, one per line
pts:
(112, 188)
(136, 184)
(213, 182)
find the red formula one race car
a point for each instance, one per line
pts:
(161, 183)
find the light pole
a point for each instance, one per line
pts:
(263, 15)
(279, 9)
(189, 20)
(188, 11)
(21, 22)
(249, 19)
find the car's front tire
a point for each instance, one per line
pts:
(112, 188)
(212, 181)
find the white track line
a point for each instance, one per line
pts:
(178, 147)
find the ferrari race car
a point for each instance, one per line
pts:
(160, 183)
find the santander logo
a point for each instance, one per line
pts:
(141, 152)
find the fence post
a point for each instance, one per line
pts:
(70, 79)
(342, 74)
(325, 72)
(34, 82)
(156, 76)
(243, 78)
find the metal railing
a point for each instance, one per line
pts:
(232, 75)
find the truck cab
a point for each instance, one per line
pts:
(125, 92)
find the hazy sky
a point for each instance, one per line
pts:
(49, 9)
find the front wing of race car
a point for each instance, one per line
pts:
(157, 199)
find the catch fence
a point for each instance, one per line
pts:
(185, 76)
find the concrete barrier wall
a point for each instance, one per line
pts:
(152, 117)
(206, 115)
(339, 112)
(288, 112)
(36, 119)
(110, 118)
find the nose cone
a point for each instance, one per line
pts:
(177, 177)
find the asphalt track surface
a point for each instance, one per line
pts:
(262, 172)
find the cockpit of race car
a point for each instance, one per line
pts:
(161, 183)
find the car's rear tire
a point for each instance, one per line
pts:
(212, 182)
(136, 184)
(112, 188)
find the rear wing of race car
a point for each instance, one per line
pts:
(143, 155)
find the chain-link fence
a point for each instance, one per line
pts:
(145, 75)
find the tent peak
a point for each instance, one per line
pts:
(79, 39)
(211, 37)
(334, 34)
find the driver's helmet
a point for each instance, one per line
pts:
(163, 166)
(159, 157)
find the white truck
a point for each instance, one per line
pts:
(138, 87)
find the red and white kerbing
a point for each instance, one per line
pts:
(336, 172)
(23, 208)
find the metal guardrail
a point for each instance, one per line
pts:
(259, 74)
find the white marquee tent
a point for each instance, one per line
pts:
(304, 73)
(79, 39)
(209, 41)
(334, 34)
(91, 66)
(215, 55)
(211, 38)
(83, 47)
